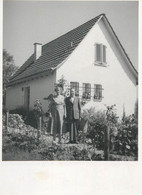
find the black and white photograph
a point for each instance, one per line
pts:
(70, 81)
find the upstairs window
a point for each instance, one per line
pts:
(97, 92)
(86, 91)
(100, 54)
(75, 85)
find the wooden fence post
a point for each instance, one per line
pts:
(39, 127)
(107, 142)
(7, 120)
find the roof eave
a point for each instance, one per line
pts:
(30, 77)
(125, 54)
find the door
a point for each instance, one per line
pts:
(27, 98)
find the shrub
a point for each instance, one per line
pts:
(126, 141)
(21, 111)
(96, 126)
(123, 134)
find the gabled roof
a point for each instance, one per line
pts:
(54, 52)
(57, 51)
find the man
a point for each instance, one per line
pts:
(73, 110)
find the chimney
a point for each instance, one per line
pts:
(37, 50)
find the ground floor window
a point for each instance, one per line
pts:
(75, 85)
(97, 92)
(86, 91)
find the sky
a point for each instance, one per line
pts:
(25, 23)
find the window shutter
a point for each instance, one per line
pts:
(98, 53)
(104, 53)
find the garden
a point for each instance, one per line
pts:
(102, 136)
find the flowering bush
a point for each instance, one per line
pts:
(96, 126)
(123, 134)
(21, 141)
(126, 141)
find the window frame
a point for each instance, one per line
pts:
(85, 91)
(74, 86)
(100, 89)
(99, 53)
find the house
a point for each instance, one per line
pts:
(92, 60)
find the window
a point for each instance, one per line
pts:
(75, 85)
(100, 54)
(86, 91)
(97, 92)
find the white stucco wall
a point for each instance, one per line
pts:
(118, 88)
(39, 88)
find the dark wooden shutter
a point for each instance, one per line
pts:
(104, 53)
(98, 52)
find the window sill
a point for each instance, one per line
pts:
(97, 100)
(101, 64)
(86, 99)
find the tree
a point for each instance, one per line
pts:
(9, 69)
(61, 82)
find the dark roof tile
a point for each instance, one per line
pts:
(54, 52)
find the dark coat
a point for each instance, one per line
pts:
(73, 110)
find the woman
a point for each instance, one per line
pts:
(57, 109)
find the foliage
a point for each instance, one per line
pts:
(111, 115)
(21, 111)
(29, 117)
(126, 141)
(21, 142)
(64, 86)
(38, 107)
(123, 134)
(8, 66)
(97, 125)
(136, 110)
(9, 69)
(61, 82)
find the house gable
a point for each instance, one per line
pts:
(118, 50)
(117, 83)
(116, 46)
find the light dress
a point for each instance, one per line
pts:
(60, 105)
